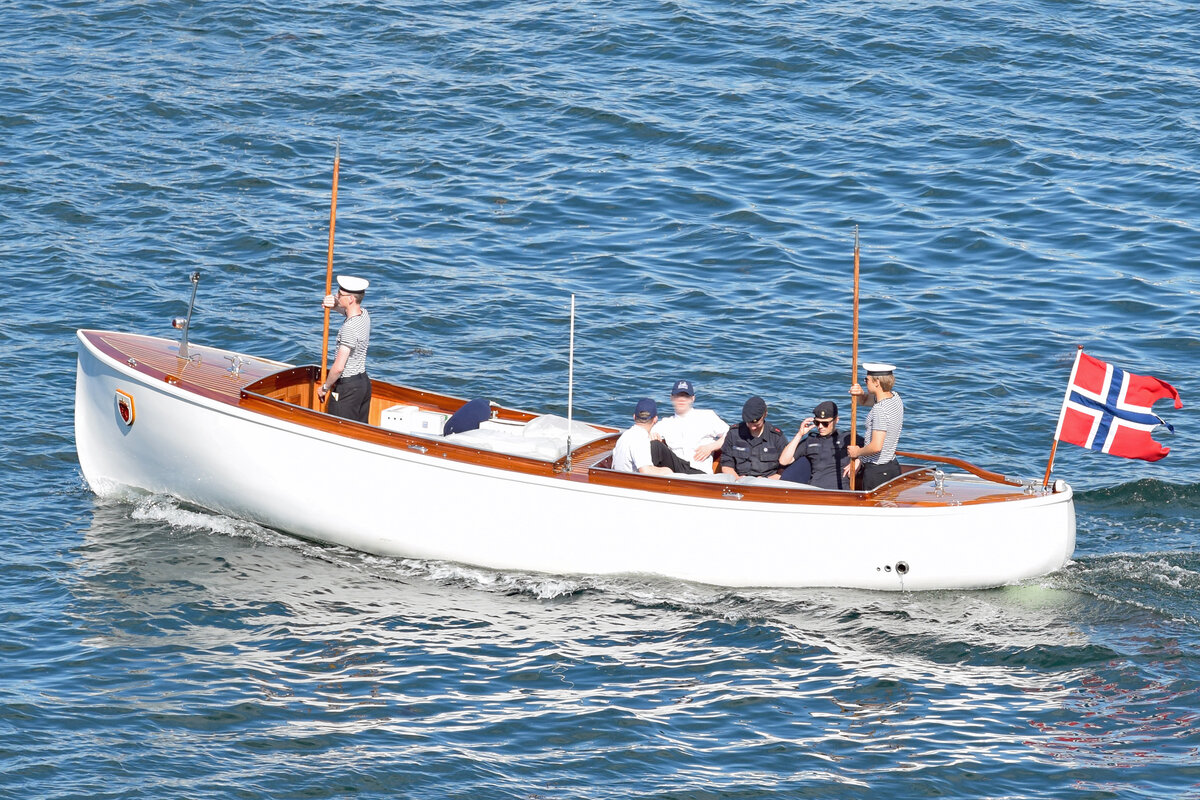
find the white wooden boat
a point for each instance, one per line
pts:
(237, 434)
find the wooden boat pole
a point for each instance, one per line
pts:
(1054, 446)
(1049, 464)
(854, 357)
(337, 157)
(570, 381)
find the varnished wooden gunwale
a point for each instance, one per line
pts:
(265, 387)
(361, 432)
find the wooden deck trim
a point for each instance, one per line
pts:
(153, 357)
(429, 446)
(910, 489)
(684, 487)
(259, 385)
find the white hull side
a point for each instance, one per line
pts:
(328, 488)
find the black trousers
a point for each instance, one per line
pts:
(350, 398)
(663, 456)
(876, 474)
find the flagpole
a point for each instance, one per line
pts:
(1049, 464)
(854, 358)
(337, 157)
(1063, 410)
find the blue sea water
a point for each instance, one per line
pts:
(1023, 178)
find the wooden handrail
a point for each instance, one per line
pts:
(968, 466)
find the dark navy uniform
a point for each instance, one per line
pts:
(827, 457)
(753, 455)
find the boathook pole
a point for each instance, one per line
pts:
(337, 157)
(854, 358)
(570, 382)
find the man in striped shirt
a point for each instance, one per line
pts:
(884, 424)
(347, 383)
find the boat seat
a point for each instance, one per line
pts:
(469, 417)
(543, 437)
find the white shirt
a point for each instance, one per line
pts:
(632, 451)
(684, 434)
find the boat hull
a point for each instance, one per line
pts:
(329, 487)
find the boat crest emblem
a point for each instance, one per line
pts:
(125, 409)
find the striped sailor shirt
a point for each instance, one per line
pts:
(886, 415)
(355, 333)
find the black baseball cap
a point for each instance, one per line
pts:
(754, 408)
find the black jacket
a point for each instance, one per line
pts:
(749, 455)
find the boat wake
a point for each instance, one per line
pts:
(1145, 493)
(179, 516)
(1137, 548)
(1164, 583)
(1043, 625)
(158, 508)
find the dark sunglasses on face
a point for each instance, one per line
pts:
(824, 422)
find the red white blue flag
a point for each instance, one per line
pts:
(1108, 409)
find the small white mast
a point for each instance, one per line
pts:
(570, 382)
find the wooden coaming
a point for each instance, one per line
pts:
(282, 392)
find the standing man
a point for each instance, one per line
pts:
(634, 451)
(753, 448)
(822, 456)
(693, 434)
(885, 421)
(347, 382)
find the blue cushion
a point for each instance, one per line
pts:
(799, 471)
(468, 417)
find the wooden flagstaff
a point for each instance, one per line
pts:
(1054, 446)
(1049, 464)
(337, 157)
(854, 358)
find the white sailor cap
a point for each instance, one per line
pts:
(876, 369)
(348, 283)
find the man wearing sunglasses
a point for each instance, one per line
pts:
(821, 458)
(753, 447)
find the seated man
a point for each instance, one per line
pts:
(821, 458)
(693, 434)
(635, 452)
(753, 448)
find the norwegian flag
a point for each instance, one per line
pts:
(1108, 409)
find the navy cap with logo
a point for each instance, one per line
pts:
(754, 409)
(825, 410)
(646, 410)
(683, 387)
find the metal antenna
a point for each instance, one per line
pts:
(186, 324)
(570, 382)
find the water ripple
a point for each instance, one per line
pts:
(1022, 176)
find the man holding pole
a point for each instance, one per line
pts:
(347, 384)
(884, 425)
